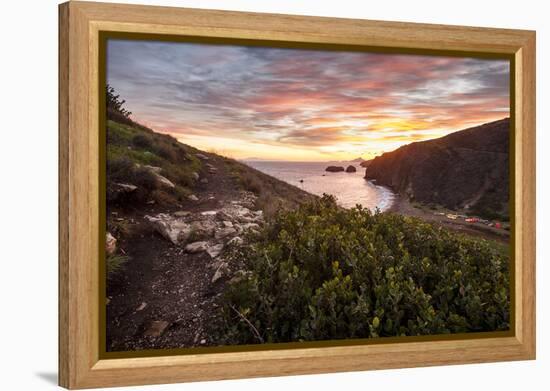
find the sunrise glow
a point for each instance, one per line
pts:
(302, 105)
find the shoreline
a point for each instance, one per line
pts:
(402, 206)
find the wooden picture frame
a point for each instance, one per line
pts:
(80, 361)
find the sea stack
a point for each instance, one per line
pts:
(335, 169)
(351, 169)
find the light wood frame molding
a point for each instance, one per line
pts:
(80, 23)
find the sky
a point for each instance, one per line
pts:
(302, 105)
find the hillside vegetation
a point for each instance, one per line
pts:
(203, 250)
(323, 272)
(466, 170)
(133, 152)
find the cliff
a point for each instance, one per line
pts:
(466, 170)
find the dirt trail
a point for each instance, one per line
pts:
(165, 298)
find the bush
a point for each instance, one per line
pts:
(182, 175)
(120, 169)
(322, 272)
(142, 141)
(124, 170)
(167, 152)
(250, 183)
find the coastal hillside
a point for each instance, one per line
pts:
(173, 212)
(199, 247)
(466, 170)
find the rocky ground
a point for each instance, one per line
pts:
(167, 296)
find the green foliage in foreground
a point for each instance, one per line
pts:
(323, 272)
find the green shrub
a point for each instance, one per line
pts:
(124, 170)
(120, 169)
(179, 174)
(143, 141)
(167, 152)
(323, 272)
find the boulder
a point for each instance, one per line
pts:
(236, 241)
(182, 213)
(224, 232)
(224, 215)
(202, 229)
(351, 169)
(195, 176)
(175, 229)
(196, 247)
(153, 169)
(110, 244)
(250, 226)
(204, 181)
(201, 156)
(192, 197)
(220, 272)
(116, 191)
(214, 250)
(334, 169)
(126, 187)
(161, 180)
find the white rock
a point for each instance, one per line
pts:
(126, 187)
(217, 275)
(195, 176)
(236, 241)
(224, 232)
(215, 250)
(252, 226)
(196, 247)
(153, 169)
(203, 229)
(172, 228)
(192, 197)
(160, 179)
(201, 156)
(181, 213)
(165, 181)
(220, 272)
(110, 244)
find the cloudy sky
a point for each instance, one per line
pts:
(288, 104)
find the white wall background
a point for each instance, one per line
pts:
(28, 196)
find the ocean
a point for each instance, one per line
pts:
(349, 189)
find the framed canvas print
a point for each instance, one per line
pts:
(248, 195)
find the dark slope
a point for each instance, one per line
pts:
(466, 170)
